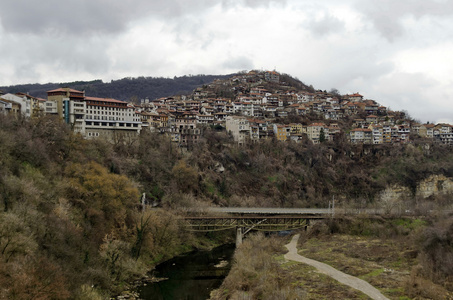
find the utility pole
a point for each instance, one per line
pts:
(332, 206)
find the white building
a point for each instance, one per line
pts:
(94, 117)
(239, 127)
(24, 102)
(110, 118)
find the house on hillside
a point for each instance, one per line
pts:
(272, 76)
(377, 133)
(239, 128)
(419, 129)
(282, 132)
(361, 136)
(314, 130)
(6, 106)
(354, 97)
(22, 102)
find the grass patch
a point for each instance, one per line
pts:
(373, 273)
(381, 262)
(317, 285)
(410, 224)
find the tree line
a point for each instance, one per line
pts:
(125, 89)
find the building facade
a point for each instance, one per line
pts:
(94, 117)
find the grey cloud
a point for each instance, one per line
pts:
(251, 3)
(86, 16)
(413, 92)
(238, 63)
(257, 3)
(387, 15)
(328, 24)
(57, 17)
(58, 56)
(346, 66)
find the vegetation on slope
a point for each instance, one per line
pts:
(126, 89)
(71, 219)
(69, 226)
(404, 258)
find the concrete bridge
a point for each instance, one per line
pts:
(245, 219)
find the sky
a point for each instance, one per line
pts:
(399, 53)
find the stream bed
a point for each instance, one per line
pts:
(191, 276)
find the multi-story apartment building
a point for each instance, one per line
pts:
(186, 133)
(377, 133)
(272, 76)
(361, 136)
(403, 133)
(386, 133)
(205, 119)
(296, 128)
(94, 117)
(21, 102)
(419, 129)
(446, 138)
(282, 132)
(61, 97)
(239, 127)
(110, 118)
(6, 106)
(313, 131)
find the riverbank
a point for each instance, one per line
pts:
(261, 272)
(384, 253)
(202, 244)
(190, 276)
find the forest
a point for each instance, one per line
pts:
(131, 89)
(72, 224)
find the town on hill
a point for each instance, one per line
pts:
(251, 106)
(94, 189)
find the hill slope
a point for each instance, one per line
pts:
(126, 89)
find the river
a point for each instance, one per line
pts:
(191, 276)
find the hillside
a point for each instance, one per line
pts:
(71, 213)
(404, 258)
(126, 89)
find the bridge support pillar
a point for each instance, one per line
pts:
(238, 236)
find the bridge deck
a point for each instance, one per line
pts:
(257, 223)
(272, 211)
(253, 217)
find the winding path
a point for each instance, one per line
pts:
(341, 277)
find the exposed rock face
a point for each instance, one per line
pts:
(433, 185)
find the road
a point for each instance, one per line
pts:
(341, 277)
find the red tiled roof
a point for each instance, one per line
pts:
(65, 90)
(362, 129)
(104, 100)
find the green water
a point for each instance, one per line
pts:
(191, 276)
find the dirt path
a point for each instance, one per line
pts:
(341, 277)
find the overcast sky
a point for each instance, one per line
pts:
(399, 53)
